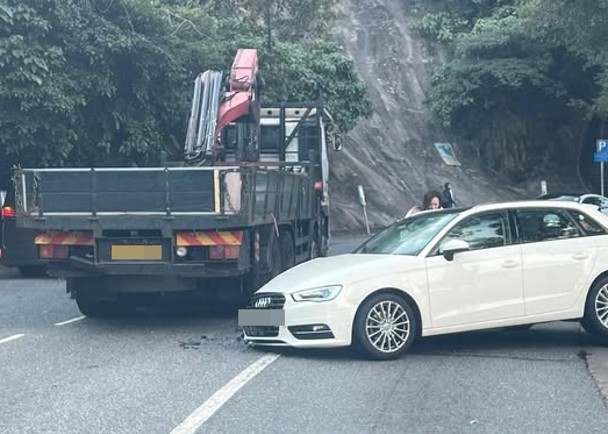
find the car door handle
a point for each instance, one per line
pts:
(509, 263)
(580, 255)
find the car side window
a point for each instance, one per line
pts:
(483, 231)
(545, 225)
(590, 226)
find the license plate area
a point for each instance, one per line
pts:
(136, 252)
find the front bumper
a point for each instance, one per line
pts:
(298, 324)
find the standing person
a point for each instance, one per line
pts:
(431, 200)
(447, 200)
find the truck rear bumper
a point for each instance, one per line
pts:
(81, 268)
(113, 286)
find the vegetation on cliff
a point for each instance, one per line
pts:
(526, 83)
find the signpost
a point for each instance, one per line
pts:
(364, 205)
(601, 156)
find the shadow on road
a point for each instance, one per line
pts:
(490, 343)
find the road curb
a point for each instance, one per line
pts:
(597, 363)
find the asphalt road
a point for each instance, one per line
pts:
(149, 372)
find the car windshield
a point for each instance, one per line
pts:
(409, 236)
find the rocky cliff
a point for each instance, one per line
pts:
(392, 154)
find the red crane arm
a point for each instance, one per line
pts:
(236, 101)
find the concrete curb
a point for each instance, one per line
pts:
(597, 363)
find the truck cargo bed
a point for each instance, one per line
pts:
(239, 194)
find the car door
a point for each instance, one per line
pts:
(482, 284)
(557, 257)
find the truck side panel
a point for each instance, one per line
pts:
(118, 191)
(247, 195)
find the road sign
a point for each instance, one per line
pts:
(601, 156)
(2, 197)
(601, 151)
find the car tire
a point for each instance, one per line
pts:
(585, 325)
(375, 343)
(595, 320)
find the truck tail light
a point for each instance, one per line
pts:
(8, 212)
(53, 251)
(224, 252)
(318, 186)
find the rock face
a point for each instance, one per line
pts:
(392, 154)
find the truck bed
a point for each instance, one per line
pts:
(75, 198)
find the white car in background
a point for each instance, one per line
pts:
(441, 272)
(589, 198)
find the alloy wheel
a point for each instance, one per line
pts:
(387, 326)
(601, 305)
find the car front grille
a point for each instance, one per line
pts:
(267, 301)
(261, 331)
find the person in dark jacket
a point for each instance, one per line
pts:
(447, 197)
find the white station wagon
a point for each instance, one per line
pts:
(440, 272)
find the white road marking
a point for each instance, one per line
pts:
(70, 321)
(11, 338)
(219, 398)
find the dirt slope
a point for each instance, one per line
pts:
(392, 154)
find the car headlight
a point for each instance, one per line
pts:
(323, 293)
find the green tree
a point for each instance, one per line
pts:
(110, 83)
(523, 79)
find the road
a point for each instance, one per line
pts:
(62, 373)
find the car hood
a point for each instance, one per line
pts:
(338, 270)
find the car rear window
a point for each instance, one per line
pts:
(589, 226)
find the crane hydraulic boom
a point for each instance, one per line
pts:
(213, 107)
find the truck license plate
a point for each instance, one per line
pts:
(137, 253)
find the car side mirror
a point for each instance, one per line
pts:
(449, 249)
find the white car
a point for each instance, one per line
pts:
(594, 199)
(440, 272)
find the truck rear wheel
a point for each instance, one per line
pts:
(288, 258)
(269, 265)
(32, 271)
(313, 249)
(93, 307)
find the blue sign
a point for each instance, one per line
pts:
(601, 151)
